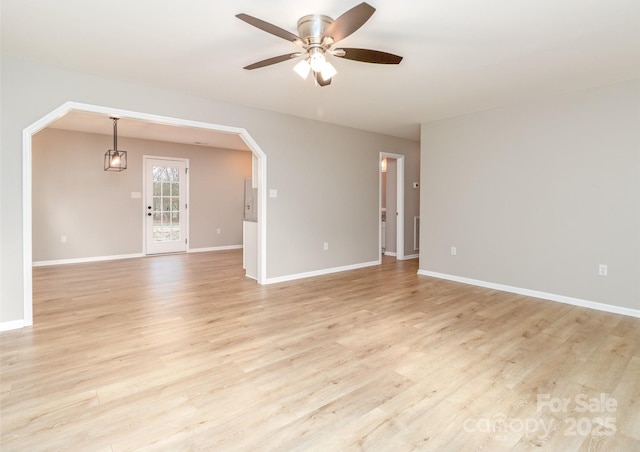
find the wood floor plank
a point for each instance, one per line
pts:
(182, 352)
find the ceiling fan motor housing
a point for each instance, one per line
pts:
(311, 28)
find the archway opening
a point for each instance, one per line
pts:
(260, 172)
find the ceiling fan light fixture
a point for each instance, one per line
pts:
(317, 34)
(317, 60)
(302, 68)
(328, 71)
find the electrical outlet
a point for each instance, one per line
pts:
(454, 251)
(63, 239)
(602, 270)
(326, 246)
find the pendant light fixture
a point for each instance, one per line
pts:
(115, 160)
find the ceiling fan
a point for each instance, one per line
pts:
(317, 35)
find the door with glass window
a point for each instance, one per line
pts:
(166, 190)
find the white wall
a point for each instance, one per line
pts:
(411, 201)
(536, 196)
(326, 175)
(73, 196)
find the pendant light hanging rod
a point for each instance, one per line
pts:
(115, 133)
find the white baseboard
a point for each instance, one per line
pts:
(11, 325)
(405, 258)
(409, 257)
(83, 260)
(536, 294)
(215, 248)
(325, 271)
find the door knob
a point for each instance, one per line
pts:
(149, 214)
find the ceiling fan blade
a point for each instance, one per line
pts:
(350, 21)
(270, 28)
(274, 60)
(320, 80)
(369, 56)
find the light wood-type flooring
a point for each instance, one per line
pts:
(182, 352)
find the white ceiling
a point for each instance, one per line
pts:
(82, 121)
(460, 56)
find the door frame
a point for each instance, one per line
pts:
(399, 202)
(27, 170)
(145, 231)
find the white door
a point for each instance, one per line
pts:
(166, 198)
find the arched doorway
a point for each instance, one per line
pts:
(27, 134)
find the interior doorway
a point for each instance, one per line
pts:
(27, 134)
(391, 205)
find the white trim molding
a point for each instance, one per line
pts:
(215, 248)
(83, 260)
(12, 325)
(409, 257)
(322, 272)
(536, 294)
(401, 258)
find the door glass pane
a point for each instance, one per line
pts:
(157, 227)
(166, 204)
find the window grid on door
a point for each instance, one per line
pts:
(166, 204)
